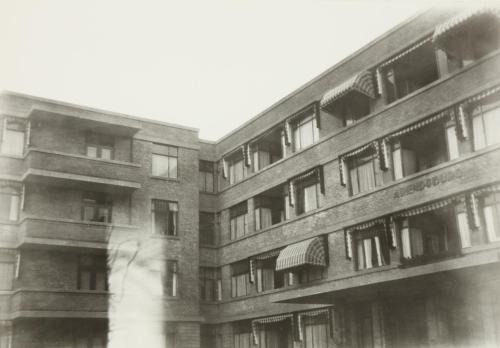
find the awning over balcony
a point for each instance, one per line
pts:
(430, 206)
(307, 252)
(256, 323)
(449, 27)
(362, 83)
(261, 257)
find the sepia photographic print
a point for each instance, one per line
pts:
(240, 174)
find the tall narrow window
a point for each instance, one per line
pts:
(171, 278)
(100, 146)
(238, 224)
(307, 195)
(267, 277)
(164, 160)
(92, 273)
(491, 209)
(237, 169)
(97, 207)
(305, 132)
(371, 248)
(210, 284)
(13, 138)
(240, 279)
(9, 207)
(6, 275)
(206, 176)
(486, 125)
(164, 217)
(207, 228)
(363, 174)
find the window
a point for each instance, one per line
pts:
(242, 335)
(307, 195)
(206, 176)
(315, 332)
(486, 125)
(267, 150)
(266, 276)
(238, 226)
(240, 279)
(410, 72)
(92, 273)
(13, 137)
(164, 217)
(209, 337)
(269, 210)
(304, 274)
(371, 249)
(171, 278)
(9, 207)
(276, 335)
(363, 174)
(207, 228)
(237, 170)
(210, 284)
(100, 146)
(463, 226)
(164, 160)
(305, 132)
(96, 207)
(491, 210)
(6, 275)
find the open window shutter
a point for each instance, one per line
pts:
(28, 134)
(473, 209)
(461, 123)
(288, 133)
(317, 115)
(348, 243)
(384, 155)
(18, 265)
(378, 75)
(224, 168)
(291, 192)
(23, 194)
(342, 171)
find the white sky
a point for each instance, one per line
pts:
(206, 64)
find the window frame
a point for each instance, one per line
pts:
(235, 213)
(95, 267)
(210, 283)
(203, 173)
(354, 164)
(14, 126)
(14, 201)
(238, 270)
(100, 142)
(171, 278)
(97, 201)
(167, 152)
(300, 123)
(382, 257)
(167, 218)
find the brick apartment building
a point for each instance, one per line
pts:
(362, 210)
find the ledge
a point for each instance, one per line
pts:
(65, 154)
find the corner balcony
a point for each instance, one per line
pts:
(72, 233)
(58, 304)
(77, 171)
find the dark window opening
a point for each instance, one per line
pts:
(271, 207)
(207, 229)
(206, 175)
(165, 217)
(350, 108)
(97, 207)
(267, 277)
(364, 174)
(100, 146)
(267, 150)
(92, 273)
(238, 220)
(308, 192)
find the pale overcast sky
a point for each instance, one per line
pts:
(211, 64)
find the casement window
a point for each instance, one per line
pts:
(165, 216)
(240, 279)
(9, 207)
(409, 72)
(210, 284)
(207, 229)
(97, 207)
(242, 335)
(486, 124)
(100, 146)
(305, 132)
(266, 276)
(164, 161)
(491, 211)
(92, 273)
(371, 248)
(315, 332)
(7, 270)
(363, 173)
(238, 220)
(171, 278)
(13, 137)
(206, 176)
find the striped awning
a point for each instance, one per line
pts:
(487, 189)
(307, 252)
(362, 83)
(430, 206)
(324, 312)
(447, 28)
(373, 146)
(405, 52)
(367, 224)
(261, 257)
(413, 127)
(480, 96)
(256, 323)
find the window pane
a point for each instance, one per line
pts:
(478, 132)
(397, 164)
(492, 125)
(451, 136)
(14, 208)
(160, 222)
(92, 151)
(310, 198)
(172, 167)
(489, 218)
(13, 143)
(306, 134)
(366, 176)
(367, 246)
(106, 153)
(463, 228)
(160, 165)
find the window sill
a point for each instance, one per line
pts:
(164, 178)
(101, 160)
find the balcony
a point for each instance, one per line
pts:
(78, 171)
(61, 303)
(58, 232)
